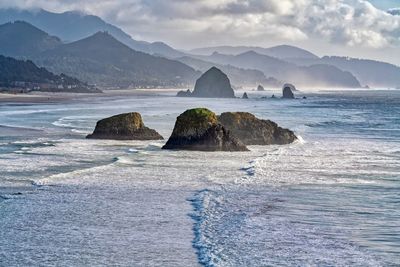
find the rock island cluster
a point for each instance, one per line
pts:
(201, 129)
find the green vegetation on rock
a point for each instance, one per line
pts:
(194, 122)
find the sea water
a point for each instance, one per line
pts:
(330, 199)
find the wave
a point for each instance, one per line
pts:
(251, 228)
(59, 177)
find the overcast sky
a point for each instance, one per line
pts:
(355, 28)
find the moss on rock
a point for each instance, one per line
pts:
(198, 129)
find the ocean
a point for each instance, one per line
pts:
(330, 199)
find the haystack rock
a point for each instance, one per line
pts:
(253, 131)
(260, 88)
(127, 126)
(214, 84)
(198, 129)
(287, 91)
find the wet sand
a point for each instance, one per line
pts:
(45, 97)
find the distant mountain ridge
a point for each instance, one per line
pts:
(238, 76)
(245, 64)
(22, 39)
(27, 76)
(280, 52)
(318, 75)
(368, 72)
(394, 11)
(103, 60)
(72, 26)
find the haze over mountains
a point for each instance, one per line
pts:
(281, 51)
(27, 76)
(22, 39)
(72, 26)
(96, 52)
(316, 75)
(103, 60)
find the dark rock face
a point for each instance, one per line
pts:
(288, 91)
(253, 131)
(260, 88)
(184, 93)
(245, 96)
(291, 86)
(128, 126)
(213, 83)
(198, 129)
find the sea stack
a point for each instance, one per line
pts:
(245, 96)
(260, 88)
(184, 93)
(127, 126)
(287, 91)
(253, 131)
(198, 129)
(214, 84)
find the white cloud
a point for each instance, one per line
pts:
(350, 23)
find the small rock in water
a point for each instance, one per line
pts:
(245, 96)
(260, 88)
(127, 126)
(288, 91)
(184, 93)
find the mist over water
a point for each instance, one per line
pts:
(330, 199)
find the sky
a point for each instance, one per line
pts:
(356, 28)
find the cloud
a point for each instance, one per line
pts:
(350, 23)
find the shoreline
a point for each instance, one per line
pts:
(58, 97)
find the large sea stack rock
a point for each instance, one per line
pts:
(213, 83)
(198, 129)
(128, 126)
(253, 131)
(287, 91)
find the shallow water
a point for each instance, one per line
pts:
(330, 199)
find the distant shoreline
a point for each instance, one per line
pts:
(58, 97)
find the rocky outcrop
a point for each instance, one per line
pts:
(198, 129)
(128, 126)
(260, 88)
(253, 131)
(287, 91)
(291, 86)
(186, 93)
(245, 96)
(213, 83)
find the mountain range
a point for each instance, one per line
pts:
(73, 25)
(318, 75)
(22, 39)
(281, 51)
(237, 76)
(25, 75)
(102, 60)
(87, 47)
